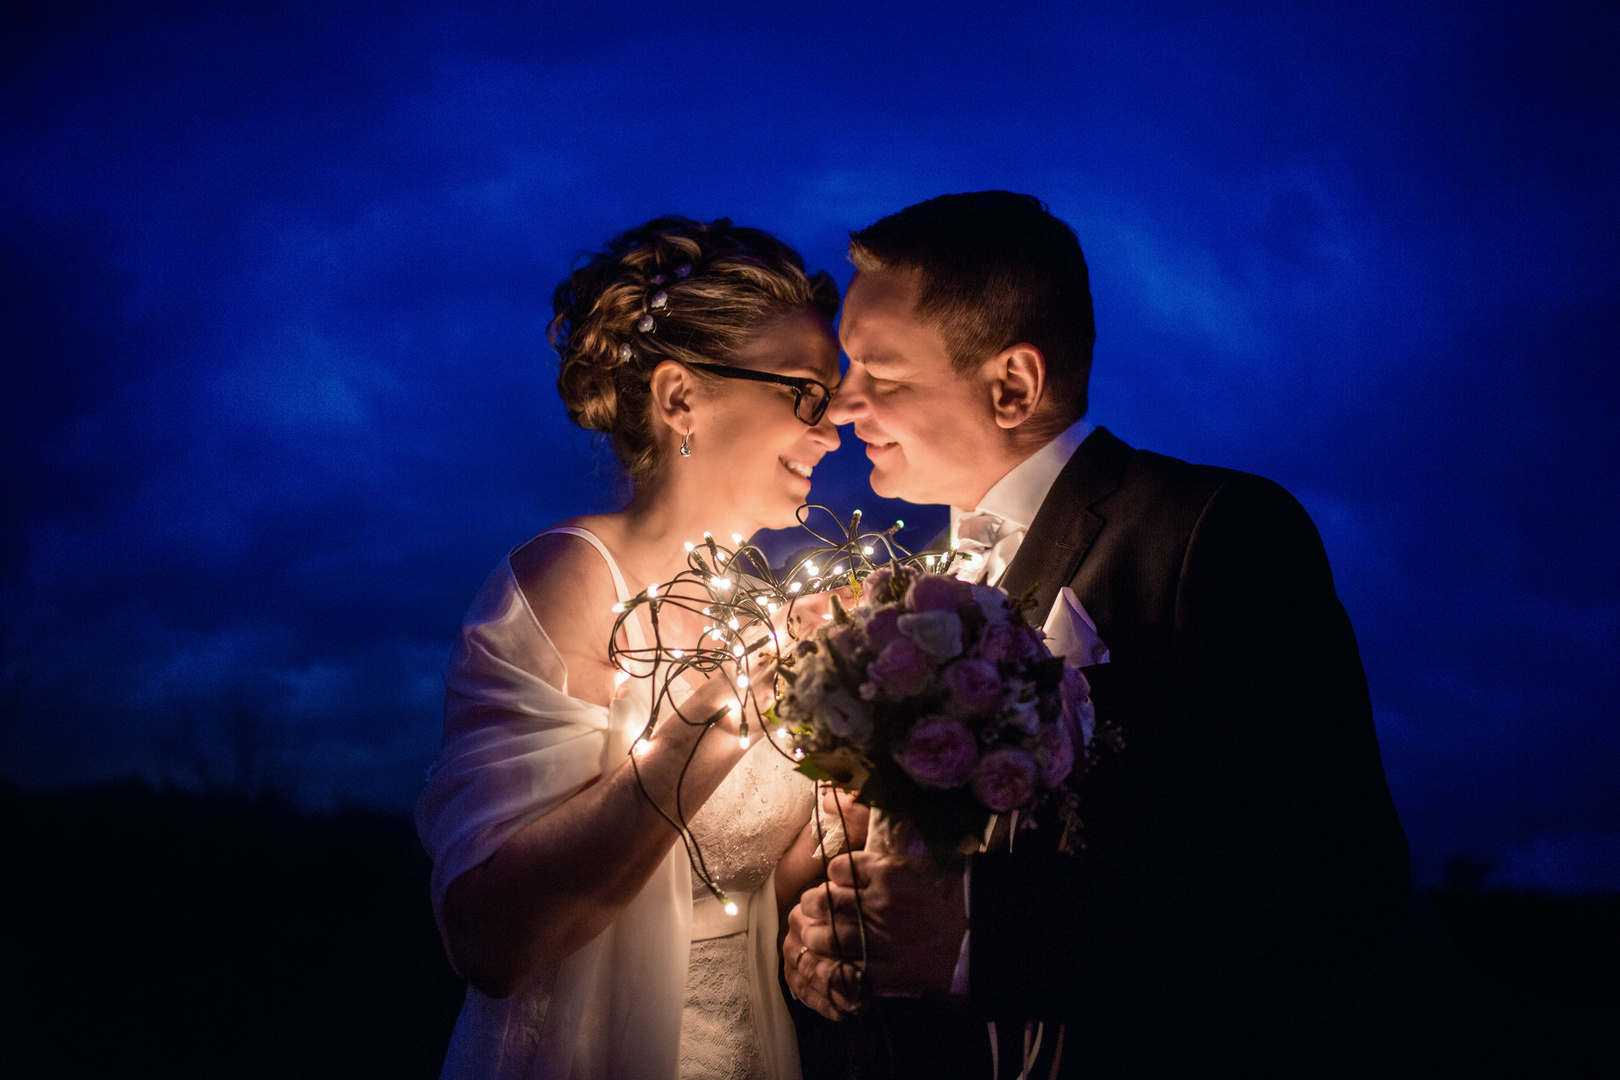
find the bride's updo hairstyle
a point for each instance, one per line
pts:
(672, 289)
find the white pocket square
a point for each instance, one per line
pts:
(1071, 633)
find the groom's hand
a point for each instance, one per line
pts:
(915, 918)
(827, 985)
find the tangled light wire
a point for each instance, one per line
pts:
(741, 596)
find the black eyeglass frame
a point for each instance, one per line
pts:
(798, 384)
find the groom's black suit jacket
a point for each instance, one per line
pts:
(1241, 842)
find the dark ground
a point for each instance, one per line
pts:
(163, 934)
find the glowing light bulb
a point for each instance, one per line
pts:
(707, 535)
(691, 546)
(735, 708)
(617, 608)
(733, 624)
(731, 907)
(798, 755)
(736, 538)
(643, 745)
(866, 549)
(708, 611)
(620, 678)
(737, 650)
(810, 568)
(743, 740)
(839, 569)
(725, 583)
(781, 732)
(719, 558)
(795, 587)
(677, 653)
(742, 680)
(771, 607)
(826, 616)
(652, 591)
(899, 524)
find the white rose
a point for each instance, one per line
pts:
(993, 602)
(844, 715)
(938, 633)
(1025, 716)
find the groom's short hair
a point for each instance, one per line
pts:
(997, 269)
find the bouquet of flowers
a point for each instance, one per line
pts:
(941, 705)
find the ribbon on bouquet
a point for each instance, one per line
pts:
(1033, 1031)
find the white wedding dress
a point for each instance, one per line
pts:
(674, 988)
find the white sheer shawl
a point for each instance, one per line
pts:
(515, 747)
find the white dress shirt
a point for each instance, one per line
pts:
(1015, 499)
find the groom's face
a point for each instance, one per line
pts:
(925, 426)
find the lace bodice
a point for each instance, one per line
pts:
(742, 832)
(750, 820)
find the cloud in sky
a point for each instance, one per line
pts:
(277, 394)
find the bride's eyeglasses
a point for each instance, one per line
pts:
(810, 397)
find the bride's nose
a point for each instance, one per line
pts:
(825, 432)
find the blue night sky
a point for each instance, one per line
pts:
(277, 396)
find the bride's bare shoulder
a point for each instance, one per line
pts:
(568, 586)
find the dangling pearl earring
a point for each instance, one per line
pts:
(686, 451)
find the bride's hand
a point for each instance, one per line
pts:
(841, 806)
(810, 612)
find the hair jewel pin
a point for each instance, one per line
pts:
(657, 279)
(625, 353)
(646, 323)
(683, 270)
(660, 300)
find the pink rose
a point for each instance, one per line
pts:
(883, 627)
(999, 644)
(1078, 712)
(1054, 752)
(1004, 779)
(1031, 644)
(939, 753)
(975, 685)
(901, 669)
(936, 592)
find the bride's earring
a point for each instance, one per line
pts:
(686, 451)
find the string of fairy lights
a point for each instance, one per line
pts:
(748, 607)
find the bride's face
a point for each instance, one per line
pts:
(755, 454)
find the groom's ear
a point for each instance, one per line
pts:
(1017, 378)
(672, 388)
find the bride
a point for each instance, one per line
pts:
(589, 946)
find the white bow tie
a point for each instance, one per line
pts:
(990, 542)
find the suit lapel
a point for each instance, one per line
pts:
(1066, 524)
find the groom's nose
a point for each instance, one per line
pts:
(850, 403)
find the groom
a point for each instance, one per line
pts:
(1243, 841)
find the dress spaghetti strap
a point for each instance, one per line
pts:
(632, 625)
